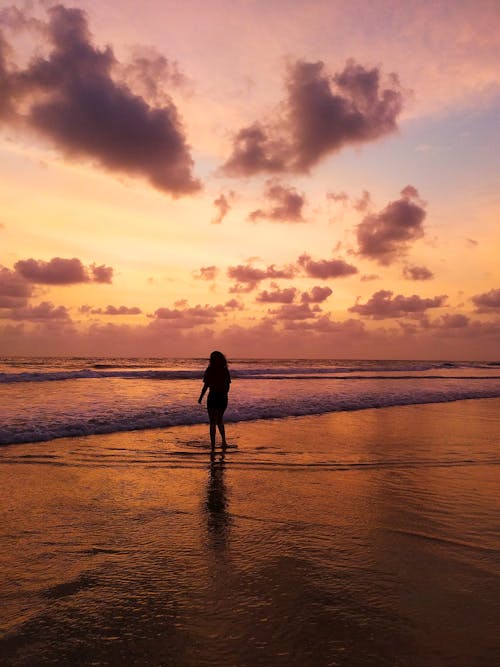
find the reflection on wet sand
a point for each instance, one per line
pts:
(216, 504)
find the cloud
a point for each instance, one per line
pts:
(43, 311)
(385, 236)
(187, 318)
(14, 289)
(247, 277)
(368, 277)
(449, 321)
(59, 271)
(286, 204)
(101, 274)
(320, 115)
(381, 305)
(286, 295)
(326, 268)
(207, 273)
(113, 310)
(294, 311)
(223, 206)
(316, 295)
(417, 273)
(487, 302)
(71, 98)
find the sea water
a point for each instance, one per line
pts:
(46, 398)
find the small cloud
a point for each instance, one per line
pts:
(286, 295)
(247, 277)
(41, 312)
(385, 236)
(114, 310)
(417, 273)
(207, 273)
(487, 302)
(382, 305)
(369, 276)
(60, 271)
(316, 295)
(326, 268)
(472, 243)
(285, 204)
(223, 206)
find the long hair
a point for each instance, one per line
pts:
(218, 360)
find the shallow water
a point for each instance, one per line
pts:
(359, 538)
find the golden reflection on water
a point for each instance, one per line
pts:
(357, 538)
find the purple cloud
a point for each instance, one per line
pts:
(316, 295)
(223, 206)
(326, 268)
(320, 115)
(207, 273)
(286, 295)
(285, 204)
(14, 289)
(417, 273)
(114, 310)
(60, 271)
(381, 305)
(385, 236)
(71, 98)
(41, 312)
(487, 302)
(247, 277)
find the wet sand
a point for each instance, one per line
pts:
(359, 538)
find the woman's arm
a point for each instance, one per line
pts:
(203, 392)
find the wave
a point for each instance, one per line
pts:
(101, 371)
(152, 418)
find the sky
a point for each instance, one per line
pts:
(272, 179)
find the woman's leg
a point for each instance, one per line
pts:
(212, 415)
(220, 426)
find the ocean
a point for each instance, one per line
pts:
(46, 398)
(352, 520)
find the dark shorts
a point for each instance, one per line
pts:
(216, 401)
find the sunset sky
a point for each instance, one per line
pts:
(267, 177)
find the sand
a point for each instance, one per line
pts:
(360, 538)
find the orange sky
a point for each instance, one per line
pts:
(307, 179)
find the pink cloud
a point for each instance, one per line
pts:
(320, 115)
(381, 305)
(57, 96)
(43, 311)
(207, 273)
(385, 236)
(59, 271)
(487, 302)
(326, 268)
(247, 277)
(14, 289)
(285, 295)
(417, 273)
(114, 310)
(223, 206)
(285, 204)
(316, 295)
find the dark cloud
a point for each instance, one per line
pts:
(417, 273)
(247, 277)
(385, 236)
(487, 302)
(316, 295)
(326, 268)
(285, 204)
(14, 289)
(207, 273)
(381, 305)
(114, 310)
(187, 318)
(286, 295)
(450, 321)
(41, 312)
(71, 98)
(223, 206)
(59, 271)
(320, 115)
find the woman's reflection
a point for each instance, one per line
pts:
(216, 505)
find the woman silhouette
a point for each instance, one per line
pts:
(217, 381)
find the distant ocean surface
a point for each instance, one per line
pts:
(46, 398)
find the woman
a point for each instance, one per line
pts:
(217, 381)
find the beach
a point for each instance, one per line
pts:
(359, 537)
